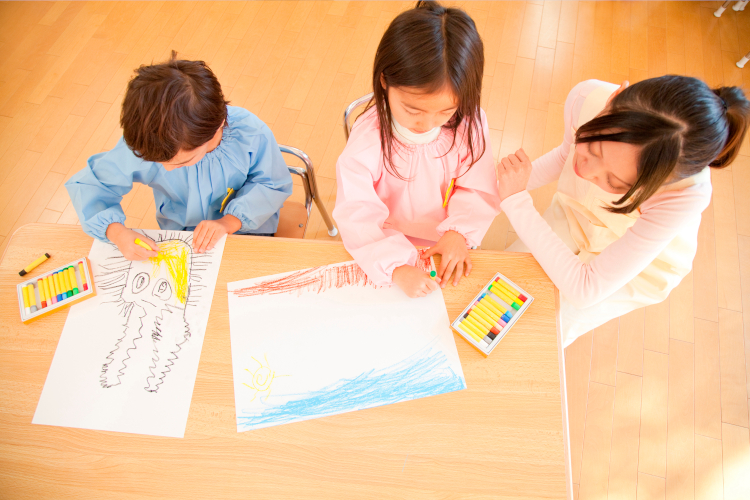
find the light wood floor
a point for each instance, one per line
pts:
(658, 399)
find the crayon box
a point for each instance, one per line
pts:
(67, 285)
(492, 313)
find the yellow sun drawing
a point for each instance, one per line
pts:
(262, 378)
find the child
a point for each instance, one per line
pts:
(181, 138)
(418, 165)
(622, 229)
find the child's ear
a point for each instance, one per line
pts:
(382, 82)
(624, 85)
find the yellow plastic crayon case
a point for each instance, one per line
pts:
(490, 313)
(61, 304)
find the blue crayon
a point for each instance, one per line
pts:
(505, 305)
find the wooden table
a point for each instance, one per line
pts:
(503, 437)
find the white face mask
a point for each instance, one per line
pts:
(408, 137)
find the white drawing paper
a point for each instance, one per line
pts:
(127, 359)
(326, 340)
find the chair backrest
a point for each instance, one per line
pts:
(350, 108)
(307, 180)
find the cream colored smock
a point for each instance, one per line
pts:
(578, 216)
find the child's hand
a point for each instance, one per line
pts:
(124, 238)
(208, 232)
(452, 246)
(414, 282)
(513, 174)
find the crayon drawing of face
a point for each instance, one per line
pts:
(153, 296)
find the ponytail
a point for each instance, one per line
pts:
(737, 114)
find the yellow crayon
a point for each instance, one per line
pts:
(142, 244)
(47, 291)
(32, 298)
(83, 277)
(500, 303)
(66, 279)
(487, 311)
(58, 288)
(73, 281)
(499, 319)
(503, 295)
(465, 327)
(481, 321)
(512, 290)
(448, 192)
(482, 329)
(26, 305)
(496, 304)
(487, 319)
(42, 297)
(492, 306)
(511, 293)
(31, 266)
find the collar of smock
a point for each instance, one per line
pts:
(408, 137)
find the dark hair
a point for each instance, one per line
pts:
(681, 125)
(428, 47)
(173, 106)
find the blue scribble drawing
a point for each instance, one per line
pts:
(420, 375)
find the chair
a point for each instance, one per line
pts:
(738, 7)
(348, 111)
(293, 217)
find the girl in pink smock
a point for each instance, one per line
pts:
(418, 168)
(632, 181)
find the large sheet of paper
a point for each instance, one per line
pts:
(326, 340)
(127, 359)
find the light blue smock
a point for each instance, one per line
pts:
(247, 160)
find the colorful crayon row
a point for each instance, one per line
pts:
(490, 313)
(54, 288)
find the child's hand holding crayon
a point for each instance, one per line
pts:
(125, 238)
(455, 256)
(414, 282)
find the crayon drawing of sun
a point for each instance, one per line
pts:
(261, 378)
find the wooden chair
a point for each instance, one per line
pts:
(294, 216)
(350, 108)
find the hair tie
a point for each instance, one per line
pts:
(724, 103)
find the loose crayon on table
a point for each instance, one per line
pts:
(503, 295)
(510, 291)
(66, 279)
(83, 277)
(142, 244)
(73, 281)
(32, 298)
(26, 306)
(42, 297)
(31, 266)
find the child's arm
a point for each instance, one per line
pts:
(97, 190)
(584, 284)
(360, 215)
(268, 184)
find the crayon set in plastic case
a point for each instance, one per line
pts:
(55, 290)
(492, 313)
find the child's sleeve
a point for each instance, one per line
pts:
(360, 215)
(97, 190)
(268, 184)
(474, 203)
